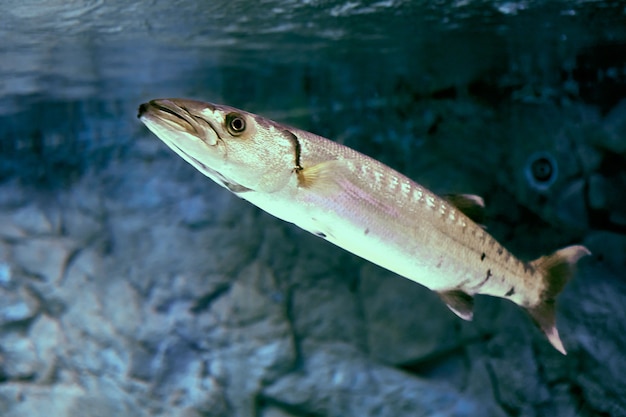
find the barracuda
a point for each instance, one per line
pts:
(363, 206)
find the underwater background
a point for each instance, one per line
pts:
(131, 285)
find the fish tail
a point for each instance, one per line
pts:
(556, 270)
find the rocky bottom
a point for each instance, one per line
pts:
(147, 290)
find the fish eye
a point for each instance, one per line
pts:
(541, 170)
(235, 123)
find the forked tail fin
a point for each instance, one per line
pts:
(556, 269)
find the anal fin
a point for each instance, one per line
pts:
(462, 304)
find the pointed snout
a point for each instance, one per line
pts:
(178, 115)
(173, 105)
(143, 108)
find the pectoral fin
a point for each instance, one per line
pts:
(460, 303)
(323, 177)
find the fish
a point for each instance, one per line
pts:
(362, 206)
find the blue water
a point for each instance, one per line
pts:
(519, 101)
(77, 70)
(116, 49)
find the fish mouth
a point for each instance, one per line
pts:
(176, 116)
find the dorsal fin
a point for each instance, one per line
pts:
(471, 205)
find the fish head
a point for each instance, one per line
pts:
(238, 150)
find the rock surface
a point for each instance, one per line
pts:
(132, 307)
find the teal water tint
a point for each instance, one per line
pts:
(132, 285)
(117, 50)
(408, 82)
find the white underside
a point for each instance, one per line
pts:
(376, 245)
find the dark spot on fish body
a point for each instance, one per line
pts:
(320, 234)
(500, 250)
(510, 292)
(489, 275)
(367, 231)
(482, 256)
(527, 267)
